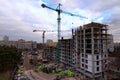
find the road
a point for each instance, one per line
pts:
(26, 63)
(33, 75)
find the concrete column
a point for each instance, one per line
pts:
(92, 38)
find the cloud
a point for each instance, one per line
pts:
(18, 18)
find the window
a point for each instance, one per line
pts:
(105, 61)
(82, 55)
(82, 51)
(97, 63)
(97, 68)
(105, 55)
(86, 56)
(97, 57)
(82, 60)
(86, 61)
(82, 65)
(86, 66)
(118, 69)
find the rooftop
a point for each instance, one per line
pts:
(94, 24)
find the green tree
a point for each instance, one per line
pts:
(9, 57)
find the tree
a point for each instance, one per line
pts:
(9, 57)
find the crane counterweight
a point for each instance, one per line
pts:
(43, 5)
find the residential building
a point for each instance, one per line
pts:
(110, 43)
(49, 53)
(2, 43)
(28, 45)
(66, 47)
(116, 45)
(91, 50)
(21, 44)
(49, 40)
(51, 43)
(14, 44)
(55, 54)
(5, 38)
(34, 44)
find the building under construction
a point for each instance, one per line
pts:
(91, 50)
(66, 47)
(87, 50)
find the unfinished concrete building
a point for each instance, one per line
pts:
(110, 43)
(91, 50)
(66, 47)
(49, 53)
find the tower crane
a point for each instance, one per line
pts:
(59, 11)
(43, 37)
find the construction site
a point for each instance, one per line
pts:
(83, 56)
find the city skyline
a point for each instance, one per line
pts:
(7, 38)
(18, 19)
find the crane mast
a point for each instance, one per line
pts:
(59, 11)
(43, 41)
(58, 44)
(43, 44)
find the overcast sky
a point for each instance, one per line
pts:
(18, 18)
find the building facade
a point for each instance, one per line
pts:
(5, 38)
(66, 52)
(20, 44)
(49, 53)
(91, 50)
(110, 43)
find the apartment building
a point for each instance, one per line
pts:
(110, 43)
(20, 44)
(5, 38)
(66, 47)
(49, 53)
(91, 50)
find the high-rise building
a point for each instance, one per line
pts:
(110, 43)
(91, 50)
(66, 48)
(49, 40)
(28, 44)
(21, 44)
(5, 38)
